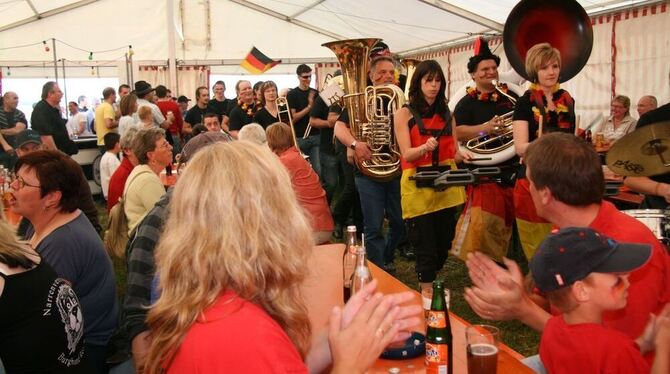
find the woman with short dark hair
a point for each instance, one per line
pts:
(45, 192)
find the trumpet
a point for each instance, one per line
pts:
(283, 103)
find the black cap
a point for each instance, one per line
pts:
(573, 253)
(377, 49)
(482, 52)
(142, 88)
(27, 136)
(183, 99)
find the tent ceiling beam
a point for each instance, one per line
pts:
(440, 46)
(285, 18)
(472, 17)
(305, 9)
(32, 7)
(48, 13)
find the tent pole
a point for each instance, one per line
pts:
(172, 53)
(67, 112)
(53, 48)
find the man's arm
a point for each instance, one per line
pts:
(648, 186)
(318, 122)
(297, 115)
(48, 142)
(467, 132)
(19, 126)
(345, 137)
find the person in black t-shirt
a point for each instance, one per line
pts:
(478, 114)
(301, 100)
(269, 112)
(197, 113)
(243, 113)
(47, 121)
(219, 103)
(41, 318)
(319, 118)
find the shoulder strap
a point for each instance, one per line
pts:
(131, 182)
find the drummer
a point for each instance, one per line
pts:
(657, 188)
(489, 215)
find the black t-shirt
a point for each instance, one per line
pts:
(662, 113)
(196, 115)
(218, 107)
(563, 121)
(239, 118)
(472, 112)
(264, 118)
(41, 323)
(321, 110)
(230, 105)
(298, 100)
(46, 120)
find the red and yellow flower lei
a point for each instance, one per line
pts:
(249, 110)
(562, 101)
(486, 96)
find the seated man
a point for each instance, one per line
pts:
(567, 186)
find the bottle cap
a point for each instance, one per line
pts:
(351, 228)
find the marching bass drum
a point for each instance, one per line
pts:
(495, 157)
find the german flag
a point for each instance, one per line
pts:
(258, 63)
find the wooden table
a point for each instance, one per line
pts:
(323, 290)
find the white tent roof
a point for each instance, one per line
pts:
(221, 32)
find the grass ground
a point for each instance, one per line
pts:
(516, 335)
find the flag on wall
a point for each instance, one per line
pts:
(258, 63)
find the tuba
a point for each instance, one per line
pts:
(370, 109)
(410, 66)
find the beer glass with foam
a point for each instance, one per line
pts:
(482, 348)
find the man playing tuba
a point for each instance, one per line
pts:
(486, 222)
(377, 197)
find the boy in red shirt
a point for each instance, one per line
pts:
(585, 274)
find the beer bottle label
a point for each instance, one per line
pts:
(437, 358)
(437, 319)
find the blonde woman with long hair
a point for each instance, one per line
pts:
(230, 298)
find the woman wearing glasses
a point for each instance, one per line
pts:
(143, 187)
(46, 192)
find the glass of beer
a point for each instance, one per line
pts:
(482, 347)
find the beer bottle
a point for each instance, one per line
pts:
(349, 261)
(361, 275)
(439, 355)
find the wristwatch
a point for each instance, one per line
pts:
(353, 145)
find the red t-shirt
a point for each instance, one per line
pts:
(308, 190)
(588, 348)
(649, 285)
(117, 182)
(171, 106)
(236, 336)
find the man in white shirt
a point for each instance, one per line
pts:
(145, 94)
(110, 160)
(77, 124)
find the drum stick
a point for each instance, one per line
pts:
(539, 127)
(480, 159)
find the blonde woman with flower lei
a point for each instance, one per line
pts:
(545, 107)
(230, 296)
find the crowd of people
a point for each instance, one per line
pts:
(215, 263)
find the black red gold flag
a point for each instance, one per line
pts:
(258, 63)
